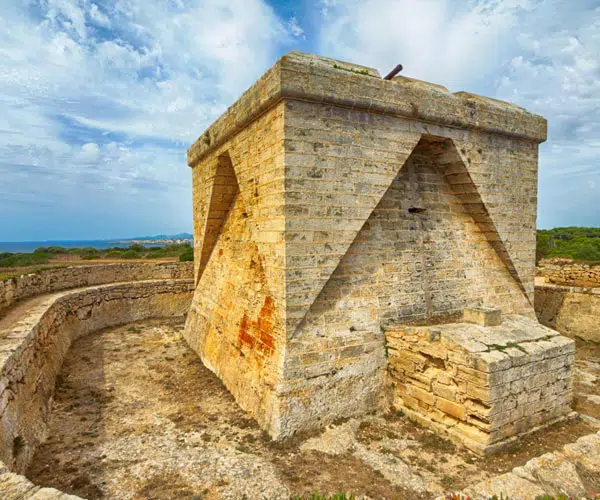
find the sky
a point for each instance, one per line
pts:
(100, 99)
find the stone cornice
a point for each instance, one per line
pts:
(299, 76)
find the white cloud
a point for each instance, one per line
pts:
(98, 17)
(556, 73)
(543, 55)
(452, 43)
(90, 152)
(294, 27)
(100, 101)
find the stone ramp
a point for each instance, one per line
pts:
(31, 308)
(10, 316)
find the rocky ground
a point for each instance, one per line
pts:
(137, 416)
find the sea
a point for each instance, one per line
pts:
(30, 246)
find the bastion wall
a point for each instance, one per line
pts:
(570, 273)
(63, 278)
(32, 351)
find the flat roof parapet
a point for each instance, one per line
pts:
(306, 77)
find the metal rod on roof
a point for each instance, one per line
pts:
(393, 73)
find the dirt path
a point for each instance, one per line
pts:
(137, 416)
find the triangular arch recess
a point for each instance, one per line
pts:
(225, 188)
(348, 208)
(463, 187)
(457, 177)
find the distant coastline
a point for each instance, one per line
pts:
(153, 242)
(149, 241)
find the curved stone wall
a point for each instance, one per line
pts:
(64, 278)
(573, 311)
(33, 349)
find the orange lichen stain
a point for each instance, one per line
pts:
(265, 326)
(244, 336)
(259, 334)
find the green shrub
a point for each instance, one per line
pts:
(130, 254)
(578, 243)
(42, 255)
(187, 256)
(51, 250)
(24, 259)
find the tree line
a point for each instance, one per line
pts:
(578, 243)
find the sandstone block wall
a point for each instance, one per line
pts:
(329, 204)
(569, 273)
(32, 350)
(237, 318)
(481, 386)
(63, 278)
(573, 311)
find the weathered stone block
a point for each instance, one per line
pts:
(483, 316)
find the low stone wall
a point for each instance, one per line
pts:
(481, 386)
(32, 350)
(63, 278)
(573, 311)
(569, 273)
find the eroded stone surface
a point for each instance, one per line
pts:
(16, 487)
(572, 472)
(136, 415)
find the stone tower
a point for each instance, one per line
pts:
(331, 206)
